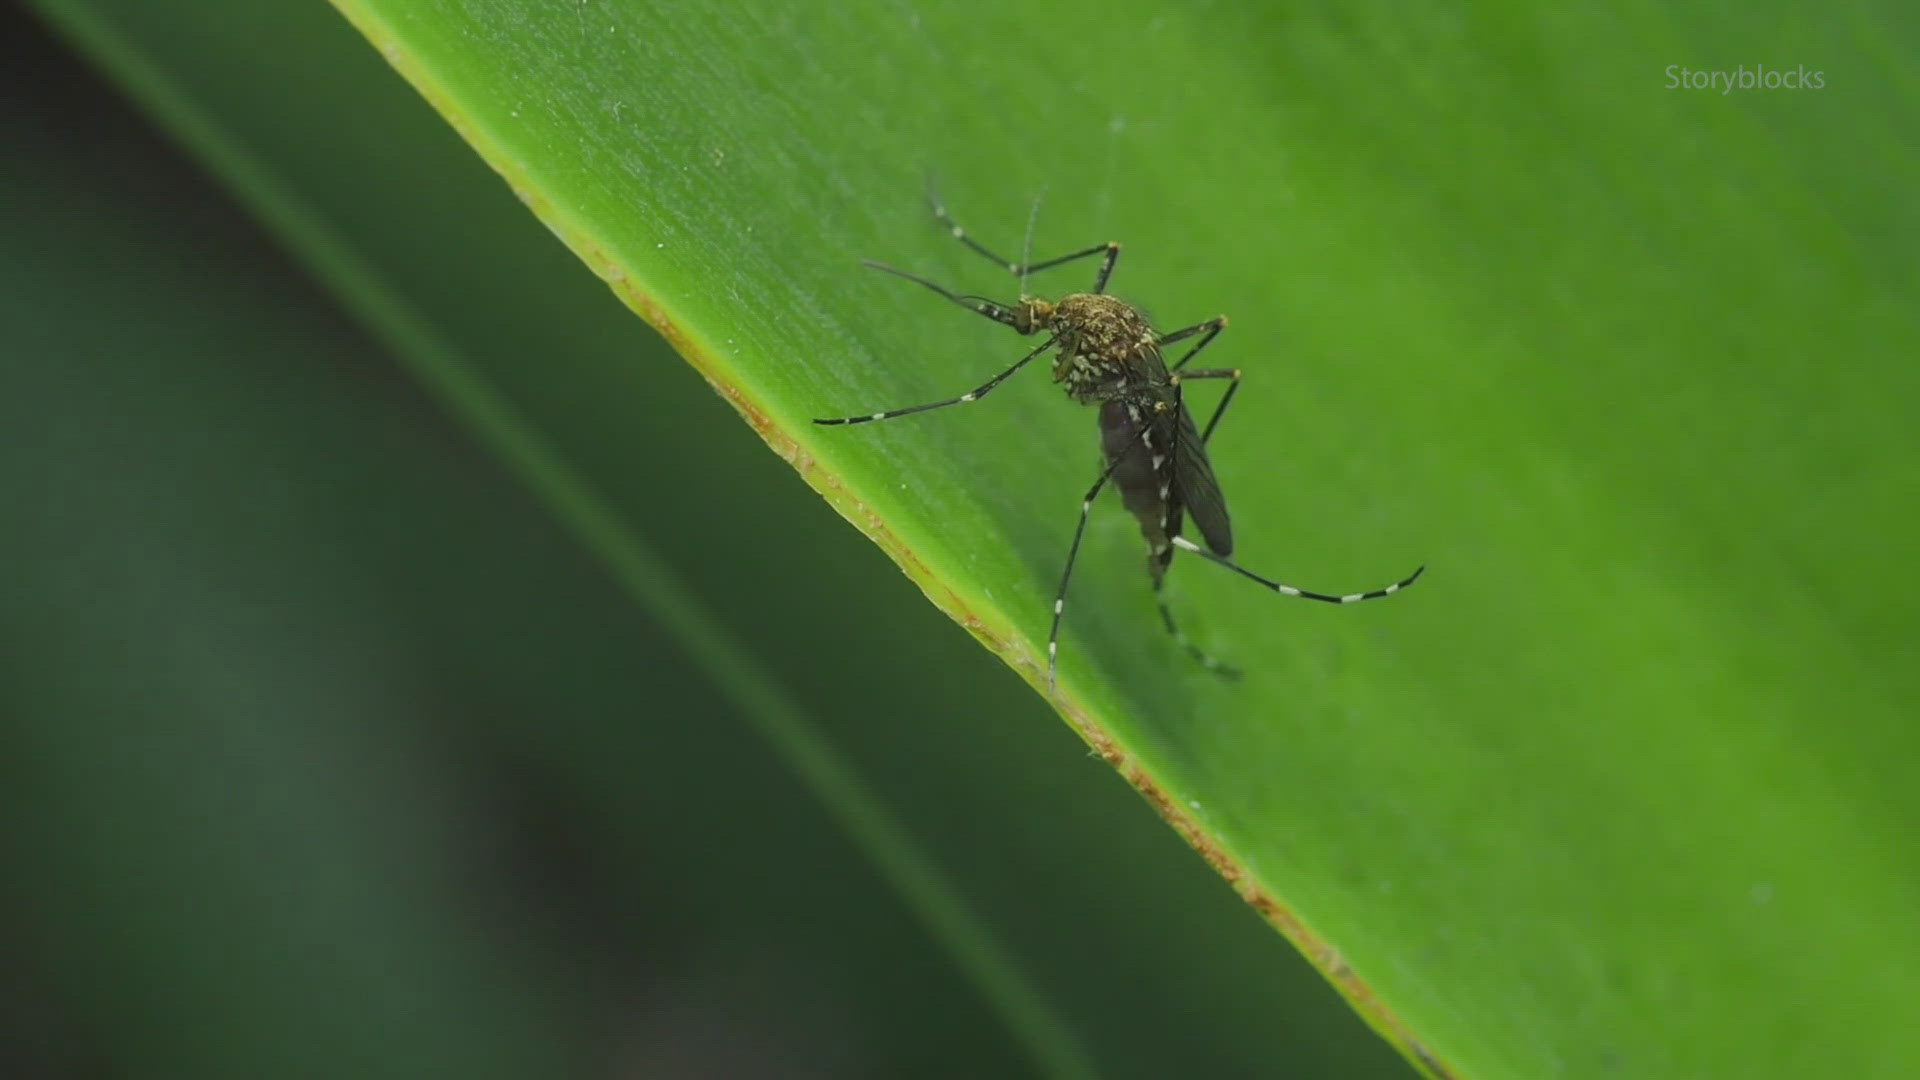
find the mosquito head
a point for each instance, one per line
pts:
(1030, 315)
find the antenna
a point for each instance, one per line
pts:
(1026, 249)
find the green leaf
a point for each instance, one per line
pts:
(708, 864)
(1620, 787)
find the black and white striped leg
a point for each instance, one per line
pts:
(1021, 270)
(1220, 410)
(1204, 658)
(1185, 544)
(979, 305)
(1073, 551)
(969, 397)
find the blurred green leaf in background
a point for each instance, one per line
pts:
(424, 674)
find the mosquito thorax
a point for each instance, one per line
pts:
(1101, 343)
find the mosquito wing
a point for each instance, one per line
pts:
(1196, 489)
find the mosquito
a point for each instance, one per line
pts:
(1108, 354)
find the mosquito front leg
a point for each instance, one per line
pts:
(967, 398)
(979, 305)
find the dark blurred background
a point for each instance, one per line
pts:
(331, 752)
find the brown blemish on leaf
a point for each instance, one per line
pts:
(1322, 955)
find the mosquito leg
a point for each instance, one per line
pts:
(1209, 329)
(1205, 659)
(1021, 270)
(969, 397)
(979, 305)
(1185, 544)
(1073, 552)
(1161, 558)
(1220, 410)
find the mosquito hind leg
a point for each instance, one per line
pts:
(1073, 551)
(1296, 591)
(1204, 658)
(1160, 555)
